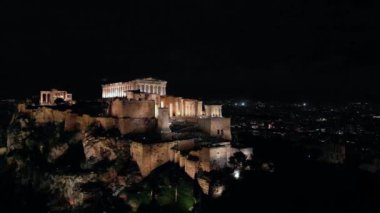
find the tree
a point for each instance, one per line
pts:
(238, 160)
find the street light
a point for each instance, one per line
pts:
(236, 174)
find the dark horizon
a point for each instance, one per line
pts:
(314, 51)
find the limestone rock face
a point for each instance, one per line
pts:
(69, 186)
(46, 157)
(57, 151)
(16, 138)
(47, 115)
(97, 149)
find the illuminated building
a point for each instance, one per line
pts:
(47, 98)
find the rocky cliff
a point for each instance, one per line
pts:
(74, 169)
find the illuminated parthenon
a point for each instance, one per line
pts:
(146, 85)
(150, 89)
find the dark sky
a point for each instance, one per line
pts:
(275, 50)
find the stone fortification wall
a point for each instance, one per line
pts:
(217, 127)
(151, 156)
(123, 108)
(75, 122)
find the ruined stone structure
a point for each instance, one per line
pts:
(47, 98)
(146, 85)
(199, 140)
(213, 110)
(216, 126)
(180, 107)
(122, 108)
(153, 89)
(186, 153)
(215, 157)
(147, 98)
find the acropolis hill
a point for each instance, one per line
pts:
(159, 128)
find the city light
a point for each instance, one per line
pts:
(236, 174)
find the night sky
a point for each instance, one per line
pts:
(269, 50)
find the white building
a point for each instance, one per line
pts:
(146, 85)
(47, 98)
